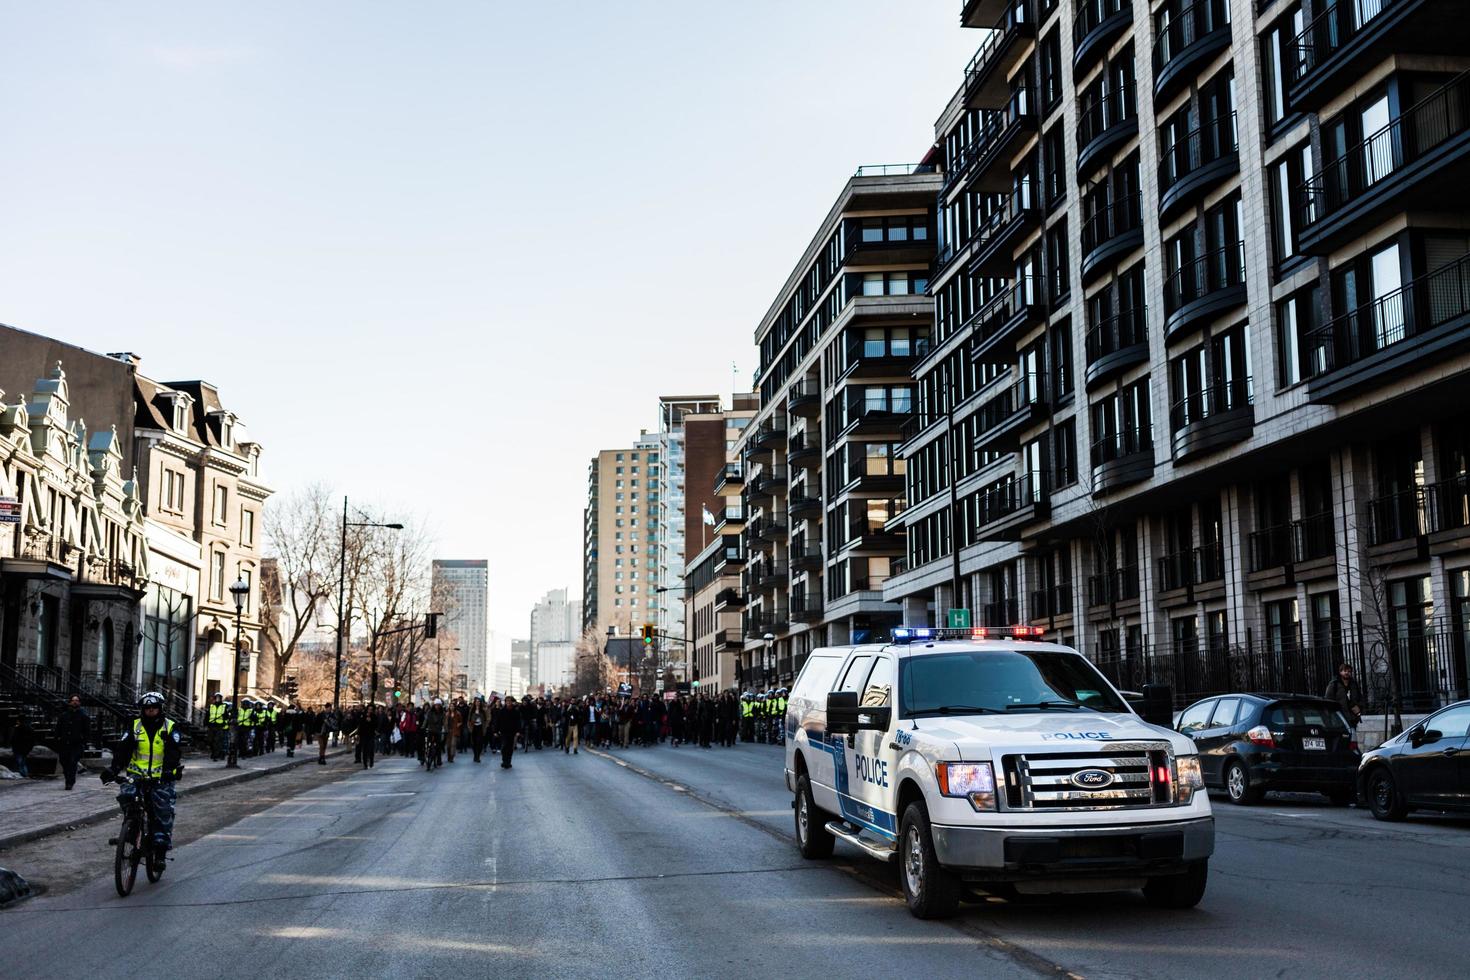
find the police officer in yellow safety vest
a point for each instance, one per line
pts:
(218, 721)
(150, 753)
(245, 729)
(747, 717)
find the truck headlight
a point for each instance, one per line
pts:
(1190, 777)
(974, 781)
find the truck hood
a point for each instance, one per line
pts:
(976, 737)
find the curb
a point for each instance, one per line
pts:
(98, 816)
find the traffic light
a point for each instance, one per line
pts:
(397, 694)
(648, 634)
(431, 625)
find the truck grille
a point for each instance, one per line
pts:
(1138, 775)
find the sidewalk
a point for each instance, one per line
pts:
(35, 808)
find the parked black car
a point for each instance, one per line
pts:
(1252, 743)
(1426, 767)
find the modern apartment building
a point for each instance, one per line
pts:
(462, 589)
(620, 542)
(712, 593)
(556, 622)
(1201, 334)
(682, 455)
(819, 476)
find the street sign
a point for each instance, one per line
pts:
(959, 619)
(9, 510)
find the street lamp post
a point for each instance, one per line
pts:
(239, 592)
(342, 615)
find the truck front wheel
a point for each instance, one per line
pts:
(931, 891)
(811, 824)
(1178, 891)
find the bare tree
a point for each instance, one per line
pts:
(593, 669)
(391, 588)
(301, 535)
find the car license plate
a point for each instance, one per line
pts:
(1320, 744)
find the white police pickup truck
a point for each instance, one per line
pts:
(992, 761)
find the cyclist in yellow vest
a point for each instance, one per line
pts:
(218, 722)
(150, 753)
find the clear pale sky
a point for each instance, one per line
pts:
(437, 253)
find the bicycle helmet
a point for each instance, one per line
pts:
(438, 702)
(151, 700)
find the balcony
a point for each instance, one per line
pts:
(1269, 548)
(728, 515)
(999, 420)
(1115, 345)
(996, 326)
(1175, 572)
(1003, 512)
(803, 506)
(1213, 417)
(1121, 459)
(985, 75)
(806, 608)
(1051, 603)
(984, 165)
(1419, 160)
(804, 399)
(981, 13)
(1113, 586)
(1110, 233)
(731, 556)
(1197, 163)
(768, 528)
(861, 478)
(1187, 43)
(730, 480)
(729, 639)
(730, 598)
(770, 435)
(1390, 336)
(865, 358)
(1004, 228)
(871, 535)
(1103, 128)
(879, 246)
(1096, 25)
(1314, 544)
(1350, 36)
(803, 450)
(766, 577)
(769, 481)
(877, 417)
(808, 559)
(1448, 510)
(1203, 290)
(1397, 517)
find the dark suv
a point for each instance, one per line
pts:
(1252, 743)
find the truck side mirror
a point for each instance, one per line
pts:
(1158, 705)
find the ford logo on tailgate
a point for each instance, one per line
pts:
(1092, 778)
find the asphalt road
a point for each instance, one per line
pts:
(679, 863)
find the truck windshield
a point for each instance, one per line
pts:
(1011, 681)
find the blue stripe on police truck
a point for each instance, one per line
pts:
(853, 809)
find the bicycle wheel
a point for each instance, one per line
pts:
(124, 865)
(150, 862)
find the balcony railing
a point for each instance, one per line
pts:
(1112, 117)
(1270, 547)
(1115, 585)
(1213, 400)
(1448, 502)
(1109, 225)
(1188, 37)
(1002, 612)
(1113, 446)
(1397, 516)
(1176, 571)
(1332, 30)
(1119, 332)
(1016, 20)
(1095, 19)
(1055, 601)
(1217, 275)
(1430, 301)
(1183, 164)
(1394, 149)
(894, 169)
(806, 607)
(1209, 564)
(1313, 538)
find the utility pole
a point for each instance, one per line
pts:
(954, 502)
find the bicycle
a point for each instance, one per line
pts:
(432, 748)
(130, 847)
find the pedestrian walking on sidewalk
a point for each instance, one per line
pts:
(22, 740)
(1345, 690)
(72, 731)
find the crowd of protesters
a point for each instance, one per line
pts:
(436, 731)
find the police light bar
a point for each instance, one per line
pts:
(908, 634)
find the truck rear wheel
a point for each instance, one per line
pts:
(932, 892)
(812, 837)
(1178, 891)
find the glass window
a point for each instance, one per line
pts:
(1196, 717)
(1452, 722)
(1225, 712)
(879, 690)
(1004, 681)
(857, 673)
